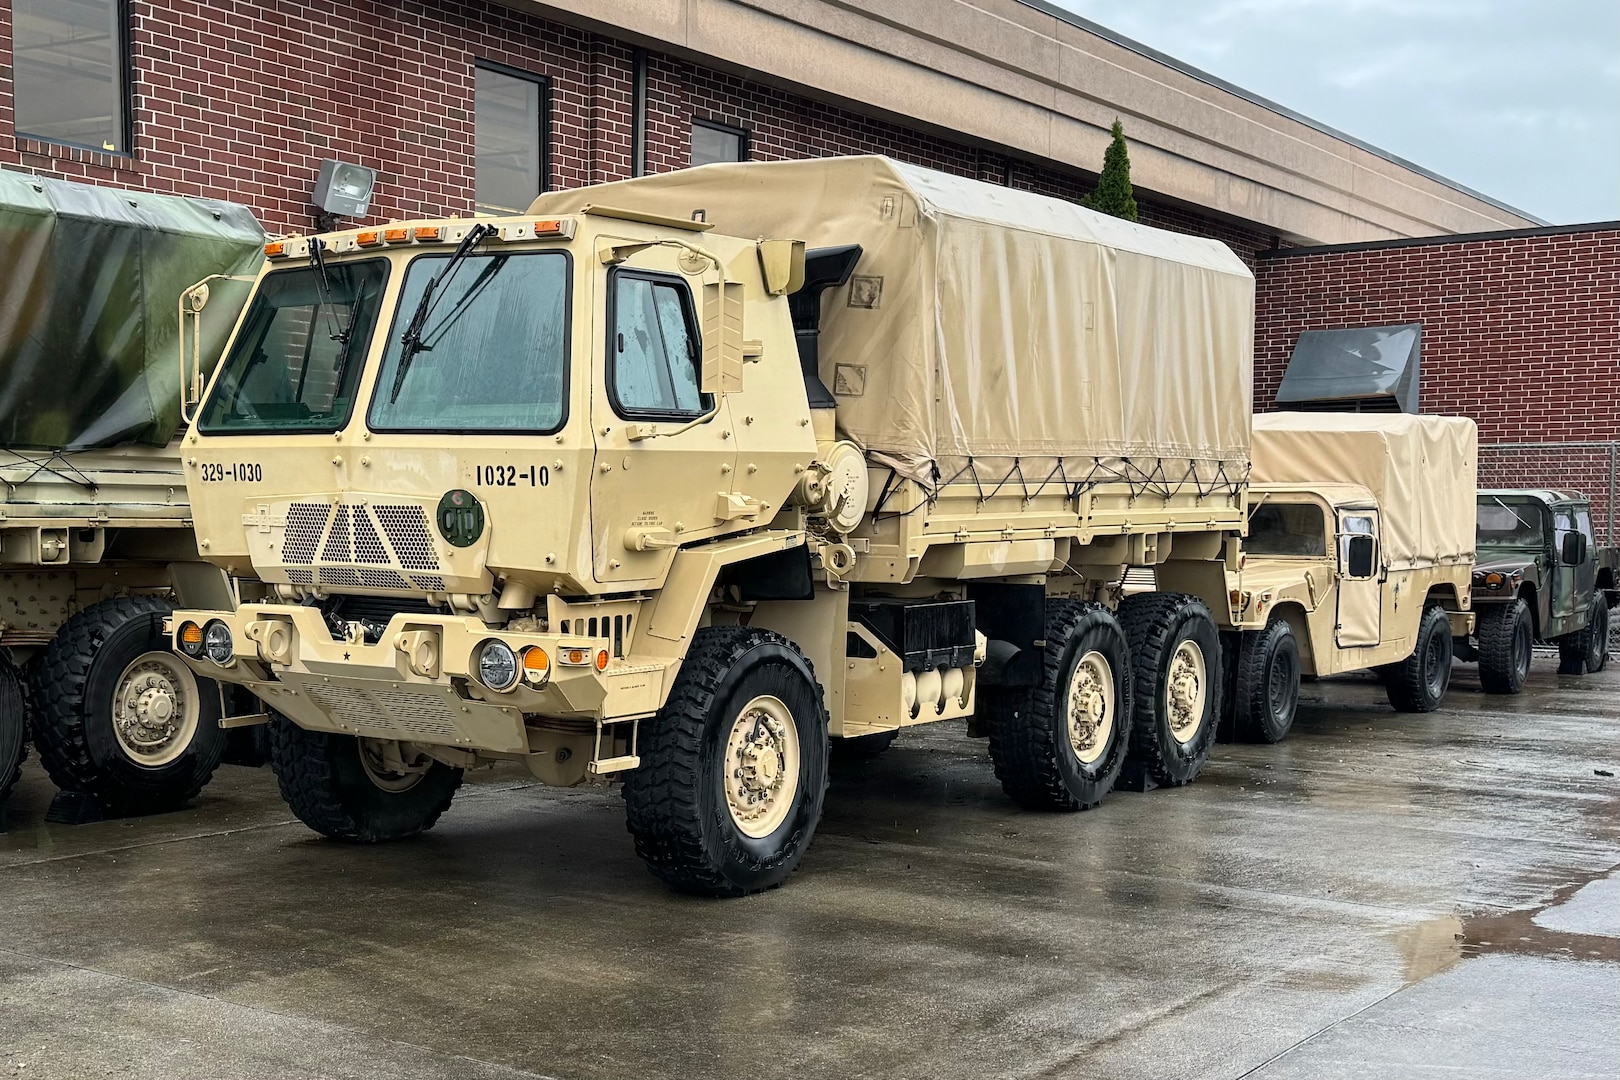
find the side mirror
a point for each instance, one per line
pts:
(1359, 552)
(1574, 549)
(781, 262)
(722, 338)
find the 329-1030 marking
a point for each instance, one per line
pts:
(510, 476)
(240, 472)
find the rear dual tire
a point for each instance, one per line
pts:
(1176, 669)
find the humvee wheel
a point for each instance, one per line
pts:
(361, 790)
(1175, 656)
(733, 768)
(1060, 745)
(1506, 635)
(1418, 683)
(13, 728)
(119, 716)
(1266, 693)
(1587, 649)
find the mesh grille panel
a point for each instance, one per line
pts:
(368, 546)
(428, 582)
(300, 576)
(381, 579)
(339, 575)
(407, 531)
(305, 523)
(336, 548)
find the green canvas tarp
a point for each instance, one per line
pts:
(89, 282)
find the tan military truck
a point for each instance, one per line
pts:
(635, 486)
(95, 533)
(1359, 554)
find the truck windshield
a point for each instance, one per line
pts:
(1512, 524)
(492, 355)
(294, 366)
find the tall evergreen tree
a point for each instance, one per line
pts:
(1113, 194)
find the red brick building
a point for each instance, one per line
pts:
(1521, 331)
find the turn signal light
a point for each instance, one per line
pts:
(601, 659)
(191, 639)
(536, 666)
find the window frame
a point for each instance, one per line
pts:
(124, 50)
(745, 147)
(567, 339)
(1324, 513)
(693, 327)
(361, 362)
(545, 133)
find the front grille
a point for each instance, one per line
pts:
(305, 524)
(378, 547)
(407, 531)
(336, 548)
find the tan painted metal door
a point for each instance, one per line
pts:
(1361, 584)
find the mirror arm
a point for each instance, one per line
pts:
(191, 378)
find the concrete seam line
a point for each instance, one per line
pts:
(1322, 1031)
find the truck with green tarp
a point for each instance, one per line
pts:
(96, 543)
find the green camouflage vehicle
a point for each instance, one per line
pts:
(1539, 576)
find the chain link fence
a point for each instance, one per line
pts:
(1590, 468)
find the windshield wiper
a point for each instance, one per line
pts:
(411, 341)
(318, 260)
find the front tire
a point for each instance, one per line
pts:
(1506, 635)
(363, 791)
(1586, 651)
(119, 716)
(1267, 687)
(1418, 683)
(1176, 665)
(13, 728)
(733, 768)
(1060, 745)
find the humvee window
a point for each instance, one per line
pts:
(1287, 529)
(1511, 523)
(653, 368)
(493, 353)
(294, 366)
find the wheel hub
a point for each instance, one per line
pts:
(391, 766)
(1184, 691)
(762, 766)
(155, 709)
(1091, 707)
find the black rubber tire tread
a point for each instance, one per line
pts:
(61, 680)
(1254, 718)
(1024, 740)
(862, 747)
(1404, 682)
(1575, 650)
(675, 822)
(13, 728)
(1150, 621)
(327, 788)
(1499, 626)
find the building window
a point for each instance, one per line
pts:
(511, 134)
(71, 72)
(712, 142)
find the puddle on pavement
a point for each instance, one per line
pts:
(1435, 945)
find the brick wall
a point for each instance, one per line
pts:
(1520, 332)
(242, 99)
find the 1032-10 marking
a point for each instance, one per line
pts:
(511, 476)
(240, 472)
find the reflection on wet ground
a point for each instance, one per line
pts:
(1379, 895)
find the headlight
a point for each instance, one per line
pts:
(497, 665)
(190, 638)
(217, 642)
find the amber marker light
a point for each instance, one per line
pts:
(575, 657)
(548, 228)
(275, 249)
(601, 660)
(397, 236)
(429, 232)
(191, 640)
(536, 666)
(369, 238)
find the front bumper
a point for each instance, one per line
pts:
(415, 683)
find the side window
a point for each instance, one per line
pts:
(653, 347)
(1583, 520)
(1287, 529)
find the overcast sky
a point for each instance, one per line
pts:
(1518, 99)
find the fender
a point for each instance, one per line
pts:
(678, 607)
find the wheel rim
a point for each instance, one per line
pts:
(1090, 716)
(1435, 676)
(1185, 688)
(390, 766)
(1283, 684)
(156, 709)
(762, 766)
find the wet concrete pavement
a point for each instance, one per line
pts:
(1379, 896)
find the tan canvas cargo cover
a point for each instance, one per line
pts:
(997, 325)
(1422, 469)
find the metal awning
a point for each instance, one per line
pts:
(1366, 369)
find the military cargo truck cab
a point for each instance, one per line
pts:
(1539, 576)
